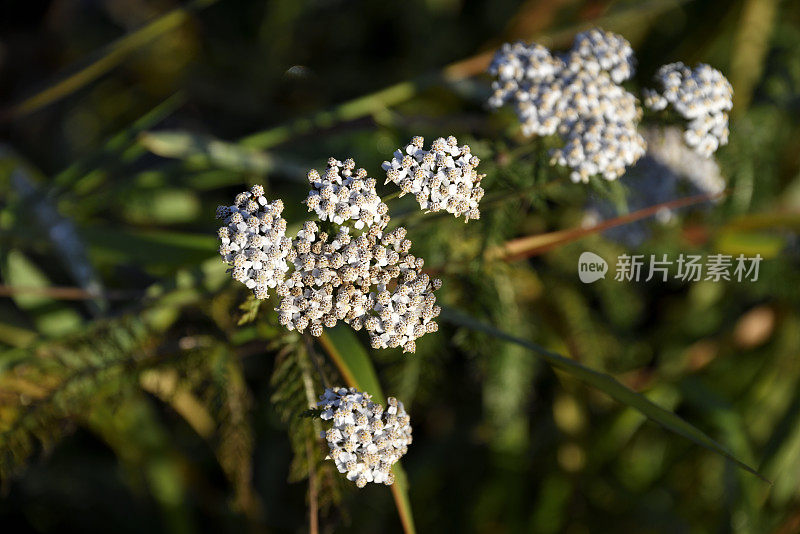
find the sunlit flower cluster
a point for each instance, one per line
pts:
(703, 96)
(577, 96)
(351, 270)
(441, 178)
(365, 440)
(253, 241)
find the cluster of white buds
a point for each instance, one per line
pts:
(576, 95)
(344, 193)
(365, 440)
(397, 318)
(442, 178)
(703, 96)
(253, 241)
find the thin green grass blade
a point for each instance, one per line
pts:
(608, 385)
(347, 353)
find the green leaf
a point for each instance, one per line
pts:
(347, 353)
(608, 385)
(84, 172)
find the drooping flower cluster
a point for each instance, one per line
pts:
(344, 193)
(442, 178)
(576, 95)
(703, 96)
(365, 440)
(253, 241)
(369, 281)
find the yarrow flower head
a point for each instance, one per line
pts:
(577, 96)
(703, 96)
(253, 241)
(365, 440)
(343, 194)
(443, 177)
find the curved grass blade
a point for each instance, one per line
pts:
(352, 360)
(608, 385)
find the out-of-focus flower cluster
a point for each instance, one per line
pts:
(369, 281)
(253, 241)
(666, 147)
(365, 440)
(576, 95)
(703, 96)
(442, 178)
(669, 170)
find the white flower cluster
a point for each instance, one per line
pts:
(344, 193)
(348, 278)
(576, 95)
(253, 241)
(701, 95)
(442, 178)
(365, 440)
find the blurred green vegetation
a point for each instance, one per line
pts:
(141, 389)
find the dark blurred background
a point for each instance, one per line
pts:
(502, 443)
